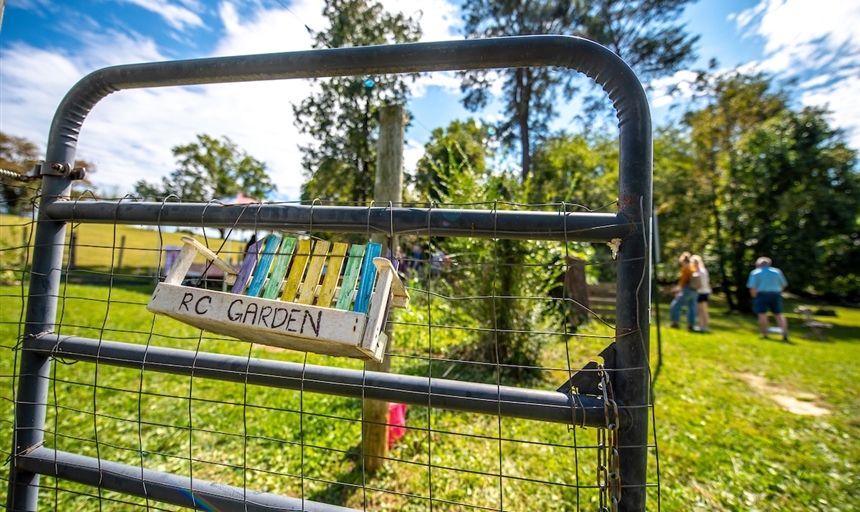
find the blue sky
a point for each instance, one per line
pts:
(47, 45)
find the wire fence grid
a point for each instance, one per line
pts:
(463, 317)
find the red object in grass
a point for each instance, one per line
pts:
(396, 423)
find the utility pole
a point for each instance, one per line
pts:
(388, 188)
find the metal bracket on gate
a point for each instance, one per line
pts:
(62, 169)
(587, 380)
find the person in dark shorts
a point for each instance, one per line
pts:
(766, 284)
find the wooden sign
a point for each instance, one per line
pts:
(303, 319)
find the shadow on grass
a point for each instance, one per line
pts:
(339, 493)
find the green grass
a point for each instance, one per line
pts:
(123, 249)
(723, 443)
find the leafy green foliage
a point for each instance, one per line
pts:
(462, 146)
(794, 186)
(723, 444)
(208, 169)
(343, 117)
(17, 155)
(501, 278)
(643, 33)
(768, 181)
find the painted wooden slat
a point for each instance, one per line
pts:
(261, 272)
(248, 265)
(368, 276)
(229, 272)
(350, 276)
(374, 339)
(332, 274)
(279, 269)
(312, 278)
(297, 270)
(181, 265)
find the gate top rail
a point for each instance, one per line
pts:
(588, 57)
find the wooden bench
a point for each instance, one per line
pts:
(815, 327)
(300, 294)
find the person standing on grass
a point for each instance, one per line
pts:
(704, 290)
(685, 295)
(766, 284)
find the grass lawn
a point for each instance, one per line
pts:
(724, 442)
(734, 413)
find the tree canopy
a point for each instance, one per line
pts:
(343, 116)
(18, 155)
(760, 179)
(645, 33)
(209, 169)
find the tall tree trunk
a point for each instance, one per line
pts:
(523, 99)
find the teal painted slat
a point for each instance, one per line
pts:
(368, 277)
(279, 269)
(350, 276)
(265, 264)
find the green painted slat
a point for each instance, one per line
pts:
(279, 269)
(350, 276)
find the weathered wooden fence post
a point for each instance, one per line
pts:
(121, 250)
(388, 187)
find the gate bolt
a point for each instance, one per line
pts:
(78, 173)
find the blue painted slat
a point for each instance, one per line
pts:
(273, 241)
(367, 279)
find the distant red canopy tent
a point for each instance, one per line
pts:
(239, 198)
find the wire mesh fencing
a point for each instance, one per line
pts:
(144, 411)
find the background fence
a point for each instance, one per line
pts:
(116, 404)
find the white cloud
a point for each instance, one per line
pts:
(176, 16)
(413, 152)
(817, 45)
(130, 133)
(440, 20)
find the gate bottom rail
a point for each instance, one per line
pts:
(160, 486)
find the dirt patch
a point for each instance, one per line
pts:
(793, 402)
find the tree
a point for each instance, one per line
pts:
(578, 169)
(642, 32)
(19, 156)
(209, 169)
(343, 117)
(498, 276)
(796, 190)
(769, 181)
(453, 154)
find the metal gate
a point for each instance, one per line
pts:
(586, 401)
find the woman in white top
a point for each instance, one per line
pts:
(704, 291)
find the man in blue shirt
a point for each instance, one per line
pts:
(766, 284)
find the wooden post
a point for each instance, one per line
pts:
(577, 290)
(121, 250)
(388, 187)
(73, 245)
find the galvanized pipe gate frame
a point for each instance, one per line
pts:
(628, 373)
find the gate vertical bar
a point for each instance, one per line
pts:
(32, 394)
(631, 377)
